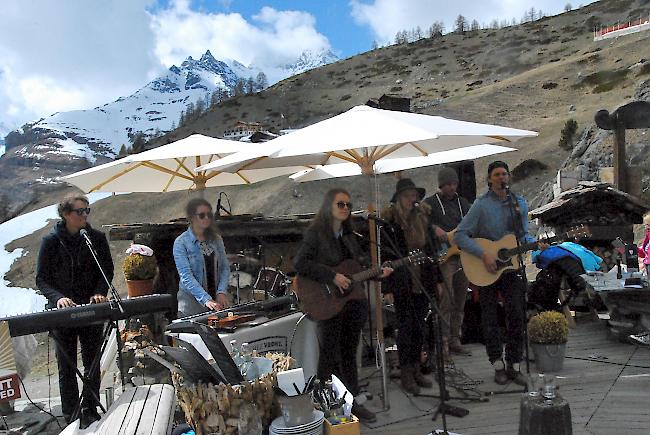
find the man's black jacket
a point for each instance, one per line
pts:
(66, 267)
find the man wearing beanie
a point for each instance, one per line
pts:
(491, 218)
(447, 210)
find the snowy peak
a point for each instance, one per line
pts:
(310, 60)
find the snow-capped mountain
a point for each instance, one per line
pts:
(309, 60)
(99, 133)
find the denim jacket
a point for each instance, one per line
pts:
(191, 270)
(490, 218)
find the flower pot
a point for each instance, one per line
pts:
(139, 287)
(549, 357)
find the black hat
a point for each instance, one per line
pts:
(406, 184)
(497, 164)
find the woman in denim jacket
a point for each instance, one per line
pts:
(200, 258)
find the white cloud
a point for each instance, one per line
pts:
(71, 55)
(387, 17)
(78, 54)
(273, 37)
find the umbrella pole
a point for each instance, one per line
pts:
(379, 321)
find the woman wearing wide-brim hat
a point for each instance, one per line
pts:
(406, 286)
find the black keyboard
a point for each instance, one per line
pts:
(89, 314)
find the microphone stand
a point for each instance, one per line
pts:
(112, 324)
(515, 215)
(443, 408)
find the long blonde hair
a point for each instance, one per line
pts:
(414, 223)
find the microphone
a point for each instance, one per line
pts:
(84, 234)
(368, 216)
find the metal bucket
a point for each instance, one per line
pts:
(296, 410)
(549, 357)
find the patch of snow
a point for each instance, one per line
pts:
(17, 300)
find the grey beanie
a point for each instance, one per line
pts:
(447, 176)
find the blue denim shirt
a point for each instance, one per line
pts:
(490, 218)
(191, 270)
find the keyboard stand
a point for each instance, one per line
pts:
(109, 327)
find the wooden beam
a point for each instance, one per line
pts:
(619, 154)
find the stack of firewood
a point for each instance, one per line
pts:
(216, 409)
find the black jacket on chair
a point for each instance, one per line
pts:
(66, 267)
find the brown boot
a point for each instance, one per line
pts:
(408, 380)
(457, 348)
(420, 379)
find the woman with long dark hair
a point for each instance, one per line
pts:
(406, 287)
(326, 243)
(200, 258)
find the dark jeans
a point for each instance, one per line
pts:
(90, 338)
(512, 290)
(338, 339)
(411, 310)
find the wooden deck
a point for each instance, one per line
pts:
(606, 383)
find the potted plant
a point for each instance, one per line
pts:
(548, 332)
(139, 270)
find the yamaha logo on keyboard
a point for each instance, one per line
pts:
(82, 314)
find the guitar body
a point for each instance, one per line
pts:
(474, 268)
(324, 301)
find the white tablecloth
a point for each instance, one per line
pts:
(272, 336)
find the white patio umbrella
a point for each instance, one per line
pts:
(395, 165)
(167, 168)
(368, 138)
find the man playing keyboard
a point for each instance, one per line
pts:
(68, 276)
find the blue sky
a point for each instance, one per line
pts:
(78, 54)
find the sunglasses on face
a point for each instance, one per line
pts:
(205, 215)
(81, 211)
(342, 205)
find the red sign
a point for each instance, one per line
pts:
(9, 388)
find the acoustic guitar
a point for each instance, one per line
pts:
(324, 301)
(504, 250)
(449, 248)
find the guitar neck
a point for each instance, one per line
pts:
(376, 271)
(530, 246)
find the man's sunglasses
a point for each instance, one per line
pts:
(81, 211)
(205, 215)
(342, 205)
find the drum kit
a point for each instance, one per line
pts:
(252, 280)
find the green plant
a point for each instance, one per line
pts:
(567, 134)
(138, 267)
(548, 327)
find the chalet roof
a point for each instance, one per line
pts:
(592, 202)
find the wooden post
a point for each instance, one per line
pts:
(620, 173)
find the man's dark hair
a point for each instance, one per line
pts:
(67, 204)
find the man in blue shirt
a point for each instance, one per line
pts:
(491, 217)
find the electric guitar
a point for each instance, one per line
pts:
(504, 250)
(323, 301)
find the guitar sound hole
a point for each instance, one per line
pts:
(501, 255)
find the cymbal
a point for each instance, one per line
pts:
(245, 262)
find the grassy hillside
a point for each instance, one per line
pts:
(534, 76)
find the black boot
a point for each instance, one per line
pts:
(408, 380)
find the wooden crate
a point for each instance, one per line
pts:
(350, 428)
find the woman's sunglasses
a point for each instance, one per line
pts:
(205, 215)
(81, 211)
(342, 205)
